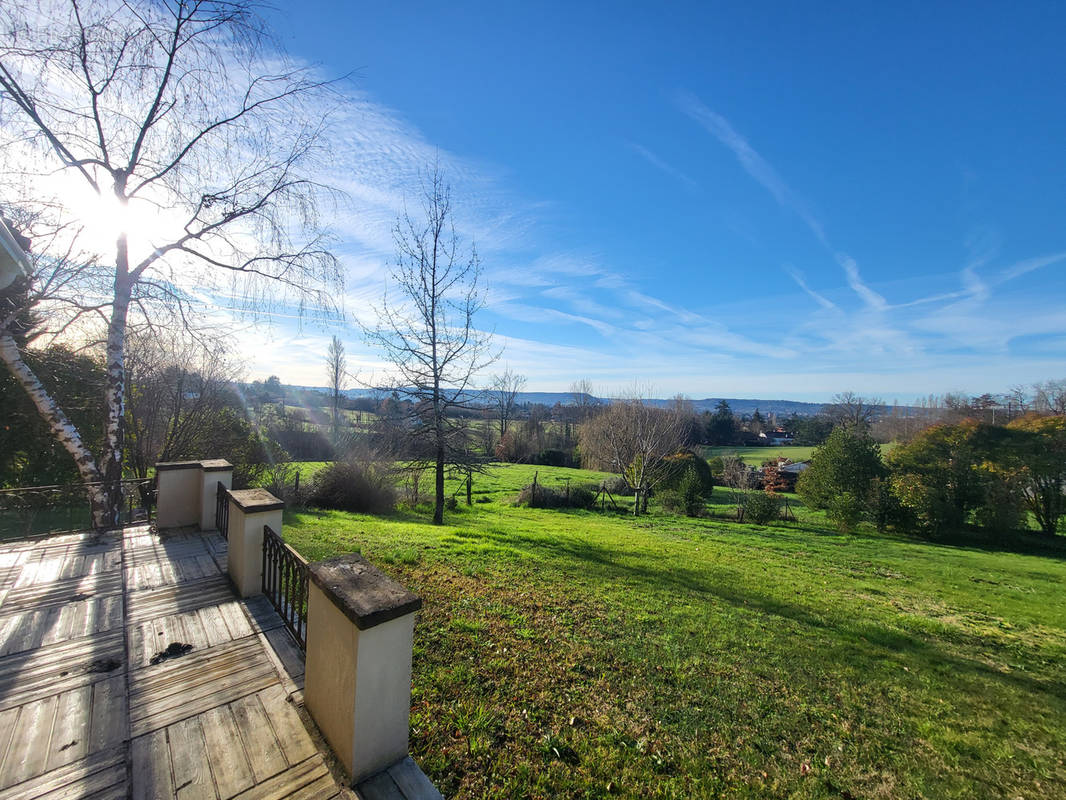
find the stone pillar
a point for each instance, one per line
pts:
(212, 472)
(178, 498)
(360, 630)
(249, 511)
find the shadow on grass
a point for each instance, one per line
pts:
(604, 564)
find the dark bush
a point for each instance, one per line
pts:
(845, 511)
(353, 487)
(761, 508)
(679, 465)
(687, 498)
(554, 458)
(551, 497)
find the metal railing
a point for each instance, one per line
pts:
(285, 584)
(32, 510)
(222, 509)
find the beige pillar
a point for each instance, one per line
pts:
(178, 498)
(249, 511)
(360, 630)
(212, 472)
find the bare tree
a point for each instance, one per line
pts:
(177, 388)
(740, 478)
(582, 397)
(632, 438)
(1049, 397)
(851, 410)
(336, 375)
(426, 330)
(197, 138)
(503, 391)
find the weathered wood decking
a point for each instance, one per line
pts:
(84, 711)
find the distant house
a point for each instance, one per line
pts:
(796, 468)
(776, 437)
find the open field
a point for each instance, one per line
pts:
(755, 456)
(575, 654)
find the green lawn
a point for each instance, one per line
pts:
(755, 456)
(575, 654)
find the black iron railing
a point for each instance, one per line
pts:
(30, 510)
(222, 509)
(285, 583)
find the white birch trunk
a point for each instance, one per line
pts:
(62, 429)
(115, 392)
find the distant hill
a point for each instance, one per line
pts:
(782, 408)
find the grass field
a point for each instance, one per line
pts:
(576, 654)
(755, 456)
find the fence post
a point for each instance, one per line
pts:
(178, 500)
(360, 630)
(212, 472)
(249, 511)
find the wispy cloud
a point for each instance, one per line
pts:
(1030, 265)
(661, 165)
(764, 173)
(821, 300)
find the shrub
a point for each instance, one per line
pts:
(680, 465)
(847, 462)
(552, 497)
(886, 509)
(761, 508)
(617, 486)
(845, 511)
(554, 458)
(353, 487)
(687, 498)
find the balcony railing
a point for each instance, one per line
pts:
(31, 510)
(285, 584)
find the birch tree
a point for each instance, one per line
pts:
(425, 330)
(178, 126)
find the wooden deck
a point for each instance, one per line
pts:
(94, 705)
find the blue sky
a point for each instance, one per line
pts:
(783, 200)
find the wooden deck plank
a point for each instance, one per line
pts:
(28, 752)
(308, 779)
(236, 621)
(288, 728)
(214, 625)
(188, 695)
(109, 721)
(214, 723)
(162, 602)
(35, 674)
(94, 775)
(70, 737)
(260, 613)
(229, 763)
(7, 733)
(264, 752)
(36, 596)
(150, 768)
(188, 755)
